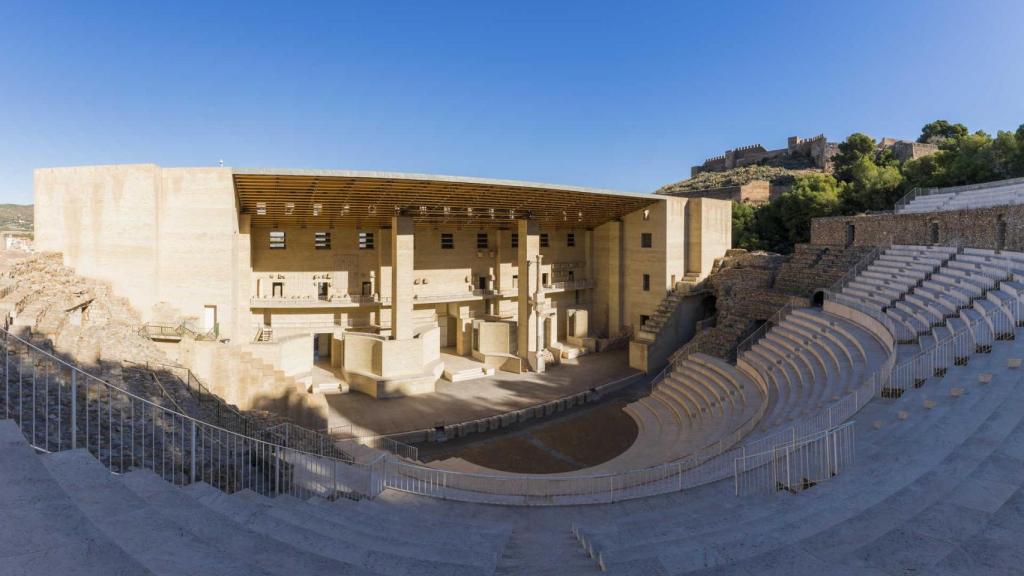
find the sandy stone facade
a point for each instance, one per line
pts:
(378, 281)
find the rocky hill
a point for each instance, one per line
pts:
(16, 217)
(733, 177)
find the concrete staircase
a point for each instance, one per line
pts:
(64, 513)
(650, 329)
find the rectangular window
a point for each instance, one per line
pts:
(366, 240)
(544, 240)
(544, 279)
(645, 240)
(647, 282)
(447, 241)
(322, 240)
(481, 241)
(570, 239)
(515, 239)
(276, 240)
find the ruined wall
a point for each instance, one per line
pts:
(978, 228)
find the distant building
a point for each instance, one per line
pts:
(16, 240)
(815, 152)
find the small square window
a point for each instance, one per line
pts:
(647, 282)
(322, 240)
(276, 240)
(515, 239)
(366, 240)
(447, 241)
(317, 207)
(481, 241)
(647, 214)
(645, 240)
(261, 208)
(544, 240)
(570, 239)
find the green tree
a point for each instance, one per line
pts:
(812, 196)
(743, 233)
(857, 146)
(927, 171)
(871, 187)
(972, 160)
(941, 132)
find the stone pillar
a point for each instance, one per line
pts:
(529, 278)
(401, 277)
(499, 249)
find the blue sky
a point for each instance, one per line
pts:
(614, 95)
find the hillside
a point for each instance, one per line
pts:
(734, 177)
(16, 217)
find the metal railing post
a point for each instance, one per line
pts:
(74, 409)
(193, 470)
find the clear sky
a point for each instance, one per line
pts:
(623, 95)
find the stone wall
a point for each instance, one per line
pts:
(977, 228)
(140, 227)
(755, 192)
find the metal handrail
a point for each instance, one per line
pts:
(125, 431)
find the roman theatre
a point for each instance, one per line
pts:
(374, 305)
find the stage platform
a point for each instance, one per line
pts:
(456, 402)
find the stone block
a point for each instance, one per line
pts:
(984, 378)
(929, 404)
(903, 415)
(1013, 363)
(956, 392)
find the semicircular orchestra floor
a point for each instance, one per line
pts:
(578, 440)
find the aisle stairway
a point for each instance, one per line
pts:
(937, 491)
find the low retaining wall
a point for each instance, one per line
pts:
(976, 228)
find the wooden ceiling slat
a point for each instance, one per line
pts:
(552, 207)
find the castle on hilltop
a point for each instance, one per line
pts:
(803, 153)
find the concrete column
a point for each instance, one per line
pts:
(529, 277)
(499, 250)
(401, 277)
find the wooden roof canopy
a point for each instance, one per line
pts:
(369, 200)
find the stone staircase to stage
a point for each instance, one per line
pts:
(657, 320)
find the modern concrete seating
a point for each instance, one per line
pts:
(808, 360)
(702, 401)
(1000, 193)
(935, 491)
(66, 513)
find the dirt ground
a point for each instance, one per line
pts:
(578, 440)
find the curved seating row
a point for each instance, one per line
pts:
(701, 401)
(936, 489)
(999, 193)
(974, 290)
(808, 360)
(137, 523)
